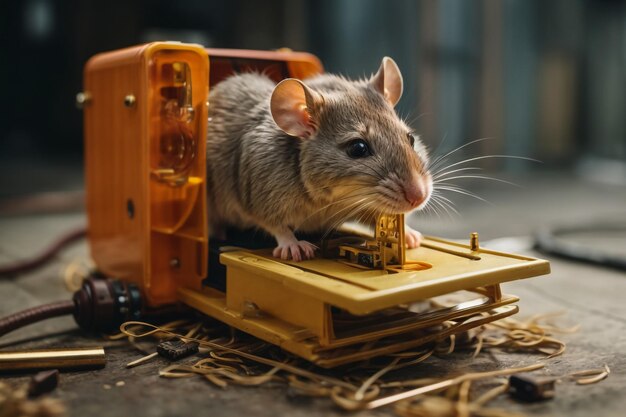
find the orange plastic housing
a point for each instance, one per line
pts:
(145, 166)
(145, 113)
(277, 65)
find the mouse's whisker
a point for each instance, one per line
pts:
(368, 215)
(358, 211)
(442, 172)
(309, 217)
(369, 212)
(447, 209)
(458, 190)
(411, 117)
(353, 183)
(447, 202)
(363, 208)
(349, 207)
(478, 158)
(428, 210)
(350, 195)
(449, 213)
(363, 173)
(374, 170)
(441, 158)
(351, 192)
(436, 150)
(363, 214)
(333, 226)
(436, 164)
(480, 177)
(435, 210)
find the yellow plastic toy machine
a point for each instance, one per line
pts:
(365, 295)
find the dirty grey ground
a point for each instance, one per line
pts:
(589, 295)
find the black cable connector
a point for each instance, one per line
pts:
(101, 304)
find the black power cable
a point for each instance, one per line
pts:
(35, 314)
(43, 257)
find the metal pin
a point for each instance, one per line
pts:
(474, 244)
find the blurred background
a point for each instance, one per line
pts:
(544, 79)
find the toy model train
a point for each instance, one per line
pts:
(145, 112)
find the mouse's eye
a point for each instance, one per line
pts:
(411, 139)
(358, 148)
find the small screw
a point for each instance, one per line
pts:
(129, 100)
(82, 99)
(250, 309)
(175, 263)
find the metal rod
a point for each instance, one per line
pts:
(450, 251)
(65, 358)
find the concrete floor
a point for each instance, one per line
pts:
(591, 296)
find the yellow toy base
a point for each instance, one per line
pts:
(331, 313)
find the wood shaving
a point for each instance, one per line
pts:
(516, 335)
(492, 393)
(15, 403)
(591, 376)
(238, 359)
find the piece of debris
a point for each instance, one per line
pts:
(43, 383)
(176, 349)
(530, 389)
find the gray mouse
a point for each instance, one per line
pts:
(308, 155)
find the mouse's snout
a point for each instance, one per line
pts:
(417, 190)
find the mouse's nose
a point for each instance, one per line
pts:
(417, 191)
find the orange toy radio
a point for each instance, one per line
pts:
(145, 112)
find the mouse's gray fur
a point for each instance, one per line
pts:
(259, 176)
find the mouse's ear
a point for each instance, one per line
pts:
(293, 106)
(388, 81)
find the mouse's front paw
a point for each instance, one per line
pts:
(297, 250)
(412, 237)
